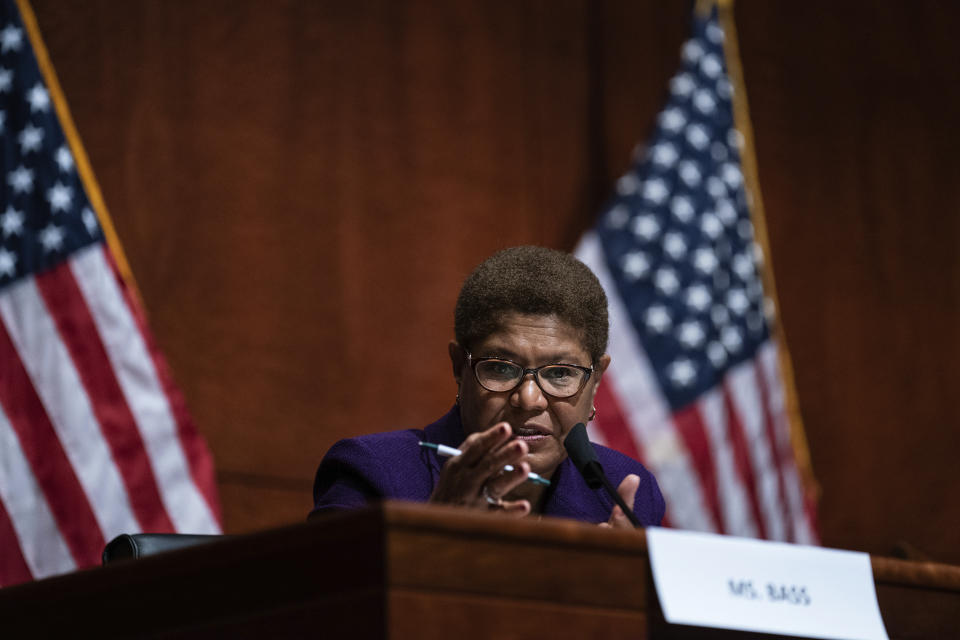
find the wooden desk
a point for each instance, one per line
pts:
(411, 571)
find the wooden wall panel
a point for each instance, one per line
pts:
(855, 108)
(301, 187)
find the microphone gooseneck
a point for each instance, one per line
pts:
(584, 458)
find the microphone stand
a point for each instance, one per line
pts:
(585, 459)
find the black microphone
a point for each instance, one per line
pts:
(585, 459)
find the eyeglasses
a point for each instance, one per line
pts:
(556, 380)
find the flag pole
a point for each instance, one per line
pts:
(748, 160)
(76, 147)
(702, 7)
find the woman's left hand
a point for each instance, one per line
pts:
(628, 491)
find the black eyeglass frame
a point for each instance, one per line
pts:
(472, 362)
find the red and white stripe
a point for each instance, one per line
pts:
(94, 440)
(799, 506)
(724, 463)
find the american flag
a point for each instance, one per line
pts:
(694, 388)
(94, 438)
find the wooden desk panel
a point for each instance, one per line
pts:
(413, 571)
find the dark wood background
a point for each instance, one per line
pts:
(301, 187)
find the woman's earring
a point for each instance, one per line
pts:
(592, 414)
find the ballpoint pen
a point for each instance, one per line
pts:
(450, 452)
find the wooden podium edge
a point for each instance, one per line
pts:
(908, 573)
(299, 563)
(558, 531)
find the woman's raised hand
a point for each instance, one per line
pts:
(476, 477)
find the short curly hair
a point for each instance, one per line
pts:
(537, 281)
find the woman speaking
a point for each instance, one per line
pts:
(530, 329)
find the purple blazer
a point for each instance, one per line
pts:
(393, 466)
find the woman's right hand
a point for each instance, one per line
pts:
(466, 478)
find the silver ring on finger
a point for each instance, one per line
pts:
(494, 503)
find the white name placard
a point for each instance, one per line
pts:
(770, 587)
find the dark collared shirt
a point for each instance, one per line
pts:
(392, 465)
